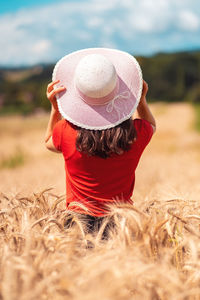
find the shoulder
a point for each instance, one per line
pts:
(143, 125)
(144, 129)
(58, 133)
(61, 124)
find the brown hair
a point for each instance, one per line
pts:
(103, 143)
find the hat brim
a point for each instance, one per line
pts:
(99, 117)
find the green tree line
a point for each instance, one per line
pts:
(171, 77)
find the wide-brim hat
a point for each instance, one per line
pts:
(101, 98)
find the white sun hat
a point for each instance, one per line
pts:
(103, 87)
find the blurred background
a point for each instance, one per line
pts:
(164, 35)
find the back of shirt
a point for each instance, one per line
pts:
(92, 182)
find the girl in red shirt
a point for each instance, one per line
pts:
(100, 142)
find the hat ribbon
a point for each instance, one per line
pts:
(112, 105)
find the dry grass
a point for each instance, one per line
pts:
(153, 253)
(154, 250)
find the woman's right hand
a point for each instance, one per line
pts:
(143, 109)
(144, 91)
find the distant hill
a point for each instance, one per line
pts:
(171, 77)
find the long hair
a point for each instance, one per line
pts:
(103, 143)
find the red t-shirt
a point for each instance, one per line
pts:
(93, 182)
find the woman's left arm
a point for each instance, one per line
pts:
(55, 114)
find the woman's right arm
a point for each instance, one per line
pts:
(143, 109)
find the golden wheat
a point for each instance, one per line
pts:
(150, 254)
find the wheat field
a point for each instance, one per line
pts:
(153, 252)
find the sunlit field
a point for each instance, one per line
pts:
(153, 252)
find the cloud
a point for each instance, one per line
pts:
(189, 21)
(41, 47)
(46, 33)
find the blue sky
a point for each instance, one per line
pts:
(14, 5)
(43, 31)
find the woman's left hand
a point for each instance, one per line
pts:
(52, 92)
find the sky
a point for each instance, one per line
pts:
(42, 31)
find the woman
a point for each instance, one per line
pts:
(101, 144)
